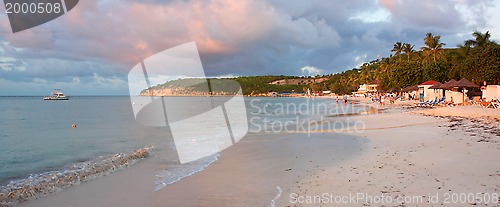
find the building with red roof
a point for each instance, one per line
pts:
(429, 83)
(429, 94)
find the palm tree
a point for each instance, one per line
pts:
(433, 46)
(428, 38)
(408, 49)
(480, 39)
(397, 49)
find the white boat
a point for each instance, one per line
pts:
(57, 94)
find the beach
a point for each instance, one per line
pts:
(401, 158)
(426, 160)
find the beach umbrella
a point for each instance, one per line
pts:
(408, 89)
(392, 90)
(411, 88)
(448, 84)
(436, 86)
(464, 83)
(414, 88)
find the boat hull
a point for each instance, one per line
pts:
(56, 99)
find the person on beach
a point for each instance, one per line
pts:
(451, 103)
(381, 101)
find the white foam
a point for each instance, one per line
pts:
(175, 173)
(273, 202)
(42, 184)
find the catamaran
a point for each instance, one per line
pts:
(57, 94)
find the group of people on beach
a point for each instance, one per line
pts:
(344, 99)
(381, 98)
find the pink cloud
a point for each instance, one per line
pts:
(388, 4)
(127, 33)
(130, 33)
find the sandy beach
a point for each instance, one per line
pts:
(404, 157)
(425, 160)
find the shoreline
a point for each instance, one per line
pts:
(255, 175)
(39, 185)
(395, 150)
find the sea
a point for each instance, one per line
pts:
(37, 136)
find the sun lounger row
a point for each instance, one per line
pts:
(490, 104)
(430, 103)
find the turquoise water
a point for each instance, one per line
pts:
(289, 115)
(36, 136)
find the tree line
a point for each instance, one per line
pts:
(477, 59)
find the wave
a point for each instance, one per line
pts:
(42, 184)
(175, 173)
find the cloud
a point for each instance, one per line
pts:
(233, 37)
(40, 80)
(114, 81)
(443, 15)
(126, 33)
(311, 71)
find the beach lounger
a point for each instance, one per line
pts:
(440, 101)
(486, 104)
(475, 100)
(496, 104)
(422, 103)
(431, 103)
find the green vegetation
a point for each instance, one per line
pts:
(260, 84)
(250, 84)
(477, 60)
(192, 84)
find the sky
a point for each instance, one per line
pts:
(91, 49)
